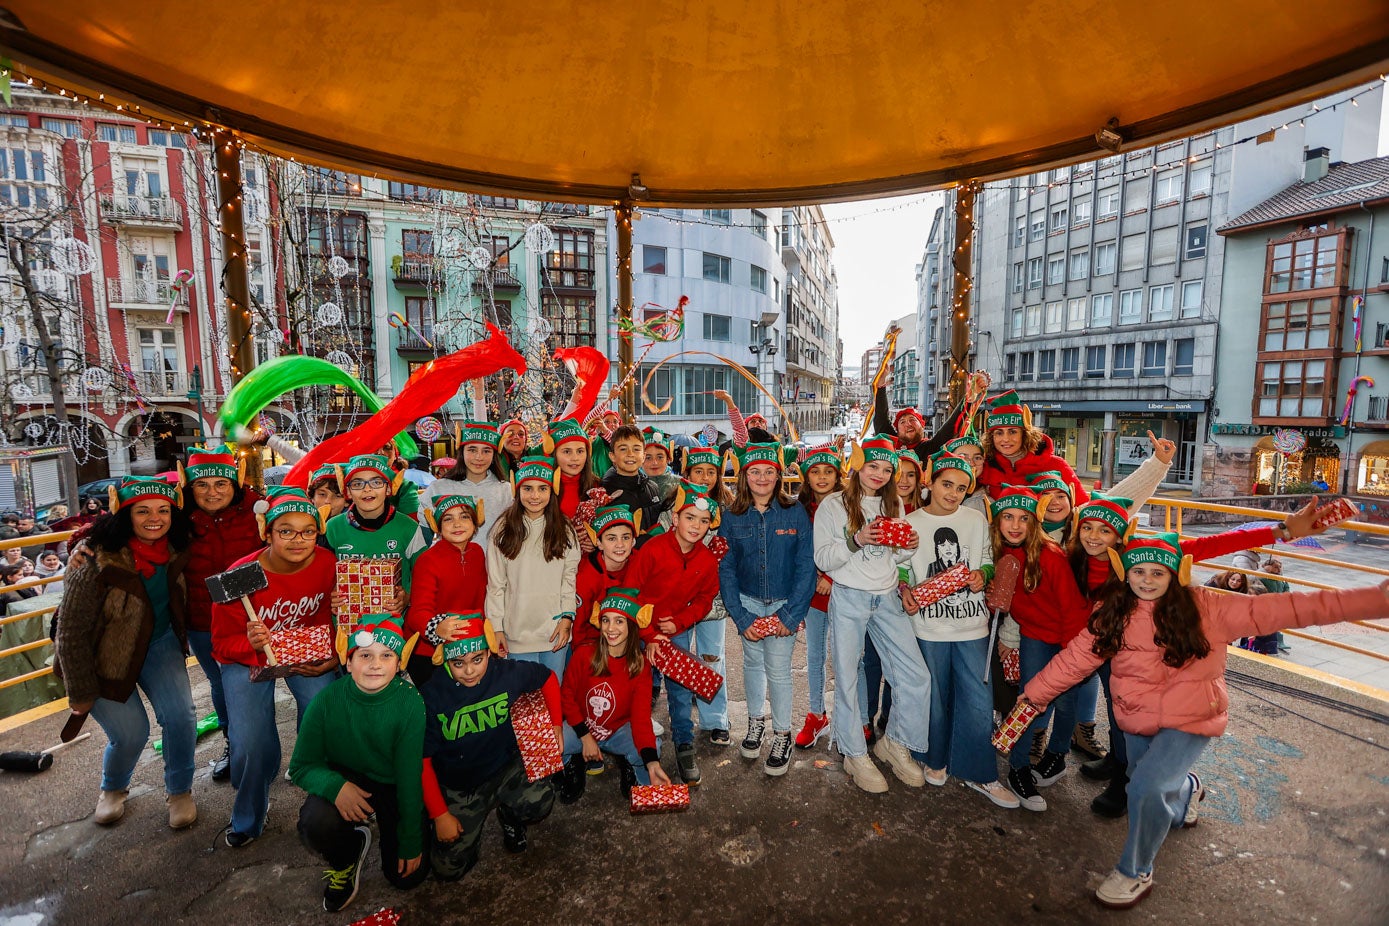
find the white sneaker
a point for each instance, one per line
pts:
(937, 777)
(907, 769)
(1198, 794)
(995, 792)
(865, 774)
(1119, 891)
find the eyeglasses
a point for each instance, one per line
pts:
(285, 533)
(357, 485)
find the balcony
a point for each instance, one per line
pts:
(155, 385)
(501, 277)
(412, 346)
(564, 278)
(415, 274)
(157, 211)
(151, 295)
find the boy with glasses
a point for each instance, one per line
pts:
(371, 525)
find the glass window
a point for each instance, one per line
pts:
(1056, 269)
(1016, 328)
(1094, 362)
(1130, 306)
(717, 327)
(1101, 310)
(1037, 230)
(1080, 212)
(1160, 303)
(571, 318)
(68, 128)
(417, 244)
(1019, 230)
(1025, 367)
(1183, 356)
(1075, 314)
(1080, 265)
(1201, 178)
(1017, 277)
(1046, 365)
(1193, 292)
(1034, 319)
(124, 134)
(759, 224)
(1070, 363)
(1293, 389)
(1060, 218)
(1195, 241)
(1109, 204)
(570, 264)
(419, 312)
(1053, 319)
(1154, 358)
(1301, 325)
(1034, 273)
(1010, 366)
(1104, 258)
(412, 192)
(717, 269)
(759, 279)
(1169, 187)
(1307, 263)
(1123, 361)
(720, 216)
(653, 259)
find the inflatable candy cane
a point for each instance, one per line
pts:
(1350, 396)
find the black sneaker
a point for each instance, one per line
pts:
(752, 743)
(779, 759)
(342, 882)
(1050, 769)
(1113, 801)
(513, 837)
(1102, 769)
(569, 782)
(689, 768)
(719, 738)
(238, 840)
(626, 777)
(1021, 783)
(221, 769)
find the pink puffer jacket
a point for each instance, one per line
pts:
(1150, 696)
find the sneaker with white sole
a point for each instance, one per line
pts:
(995, 792)
(865, 774)
(779, 758)
(1050, 770)
(1119, 891)
(342, 882)
(937, 777)
(899, 758)
(751, 746)
(1021, 783)
(1198, 794)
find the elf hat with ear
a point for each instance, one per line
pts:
(968, 440)
(654, 437)
(701, 456)
(434, 517)
(368, 465)
(329, 473)
(476, 432)
(622, 601)
(1162, 549)
(610, 516)
(536, 468)
(1109, 510)
(1019, 497)
(907, 412)
(771, 453)
(281, 500)
(1006, 410)
(944, 459)
(1049, 482)
(878, 448)
(824, 455)
(207, 464)
(909, 456)
(562, 432)
(689, 495)
(132, 489)
(473, 635)
(385, 629)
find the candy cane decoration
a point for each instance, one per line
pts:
(666, 328)
(397, 321)
(1350, 396)
(732, 365)
(181, 281)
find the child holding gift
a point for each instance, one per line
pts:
(371, 525)
(864, 601)
(614, 535)
(703, 466)
(768, 571)
(1014, 449)
(971, 449)
(358, 754)
(478, 474)
(572, 450)
(532, 563)
(607, 694)
(449, 578)
(1167, 646)
(471, 761)
(953, 633)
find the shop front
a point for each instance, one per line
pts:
(1079, 430)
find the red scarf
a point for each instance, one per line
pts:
(149, 556)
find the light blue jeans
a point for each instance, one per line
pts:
(200, 642)
(1033, 656)
(962, 710)
(680, 700)
(255, 739)
(854, 613)
(619, 744)
(817, 632)
(709, 649)
(554, 660)
(1160, 789)
(164, 680)
(767, 664)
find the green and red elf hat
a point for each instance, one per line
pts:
(970, 439)
(689, 495)
(1110, 510)
(610, 516)
(385, 629)
(880, 448)
(909, 456)
(132, 489)
(1006, 410)
(222, 463)
(773, 454)
(473, 635)
(512, 423)
(1019, 497)
(562, 432)
(1163, 549)
(702, 456)
(370, 464)
(1050, 481)
(944, 459)
(444, 503)
(536, 468)
(908, 412)
(622, 601)
(654, 437)
(326, 473)
(282, 500)
(824, 455)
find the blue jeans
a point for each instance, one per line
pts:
(255, 740)
(1118, 746)
(879, 615)
(554, 660)
(1033, 656)
(1159, 791)
(879, 695)
(619, 744)
(709, 649)
(962, 710)
(200, 643)
(680, 700)
(767, 664)
(1087, 699)
(817, 632)
(164, 680)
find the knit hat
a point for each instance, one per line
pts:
(753, 420)
(878, 448)
(1163, 549)
(474, 635)
(562, 432)
(1020, 497)
(369, 464)
(959, 443)
(824, 454)
(1050, 481)
(282, 500)
(659, 439)
(622, 601)
(131, 489)
(944, 459)
(907, 412)
(610, 516)
(771, 453)
(702, 456)
(477, 432)
(444, 503)
(1006, 410)
(689, 495)
(536, 468)
(1107, 509)
(385, 629)
(512, 423)
(207, 464)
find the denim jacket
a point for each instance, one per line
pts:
(771, 556)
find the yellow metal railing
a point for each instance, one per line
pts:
(31, 541)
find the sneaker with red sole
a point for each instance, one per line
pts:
(816, 726)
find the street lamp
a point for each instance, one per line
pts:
(195, 394)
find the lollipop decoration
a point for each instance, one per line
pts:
(429, 429)
(72, 257)
(182, 281)
(399, 321)
(1288, 441)
(1350, 396)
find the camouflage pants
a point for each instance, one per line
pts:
(517, 801)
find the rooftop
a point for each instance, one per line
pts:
(1344, 186)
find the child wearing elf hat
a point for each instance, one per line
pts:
(478, 475)
(864, 601)
(471, 761)
(512, 437)
(1015, 450)
(571, 448)
(657, 454)
(325, 492)
(1167, 646)
(970, 448)
(371, 525)
(532, 564)
(627, 483)
(607, 693)
(678, 577)
(910, 478)
(613, 533)
(449, 578)
(704, 466)
(300, 577)
(360, 752)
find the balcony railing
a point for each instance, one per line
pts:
(569, 279)
(425, 342)
(145, 293)
(154, 384)
(142, 210)
(501, 277)
(1379, 408)
(415, 273)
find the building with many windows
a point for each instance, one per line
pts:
(811, 310)
(934, 276)
(906, 366)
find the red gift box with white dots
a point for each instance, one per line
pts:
(535, 735)
(660, 798)
(894, 532)
(686, 671)
(941, 585)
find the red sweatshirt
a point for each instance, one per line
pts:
(1000, 471)
(298, 599)
(570, 494)
(591, 584)
(602, 704)
(679, 586)
(444, 582)
(1054, 611)
(218, 541)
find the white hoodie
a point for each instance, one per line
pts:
(870, 569)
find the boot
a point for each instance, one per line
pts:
(1101, 769)
(110, 807)
(627, 777)
(569, 783)
(221, 768)
(182, 811)
(1113, 801)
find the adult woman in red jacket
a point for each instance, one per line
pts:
(1014, 450)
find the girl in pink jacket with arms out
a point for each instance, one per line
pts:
(1169, 696)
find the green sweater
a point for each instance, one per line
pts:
(400, 536)
(379, 736)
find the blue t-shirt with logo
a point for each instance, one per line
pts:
(467, 731)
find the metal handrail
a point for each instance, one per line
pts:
(30, 583)
(1259, 514)
(34, 540)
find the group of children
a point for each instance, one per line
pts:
(563, 567)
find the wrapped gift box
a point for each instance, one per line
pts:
(687, 671)
(1014, 726)
(768, 626)
(942, 584)
(367, 583)
(660, 798)
(1012, 664)
(297, 646)
(718, 546)
(894, 532)
(535, 735)
(588, 508)
(1336, 512)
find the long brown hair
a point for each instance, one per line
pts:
(853, 500)
(631, 654)
(1032, 546)
(742, 494)
(1080, 567)
(806, 495)
(1031, 440)
(1176, 619)
(511, 530)
(459, 473)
